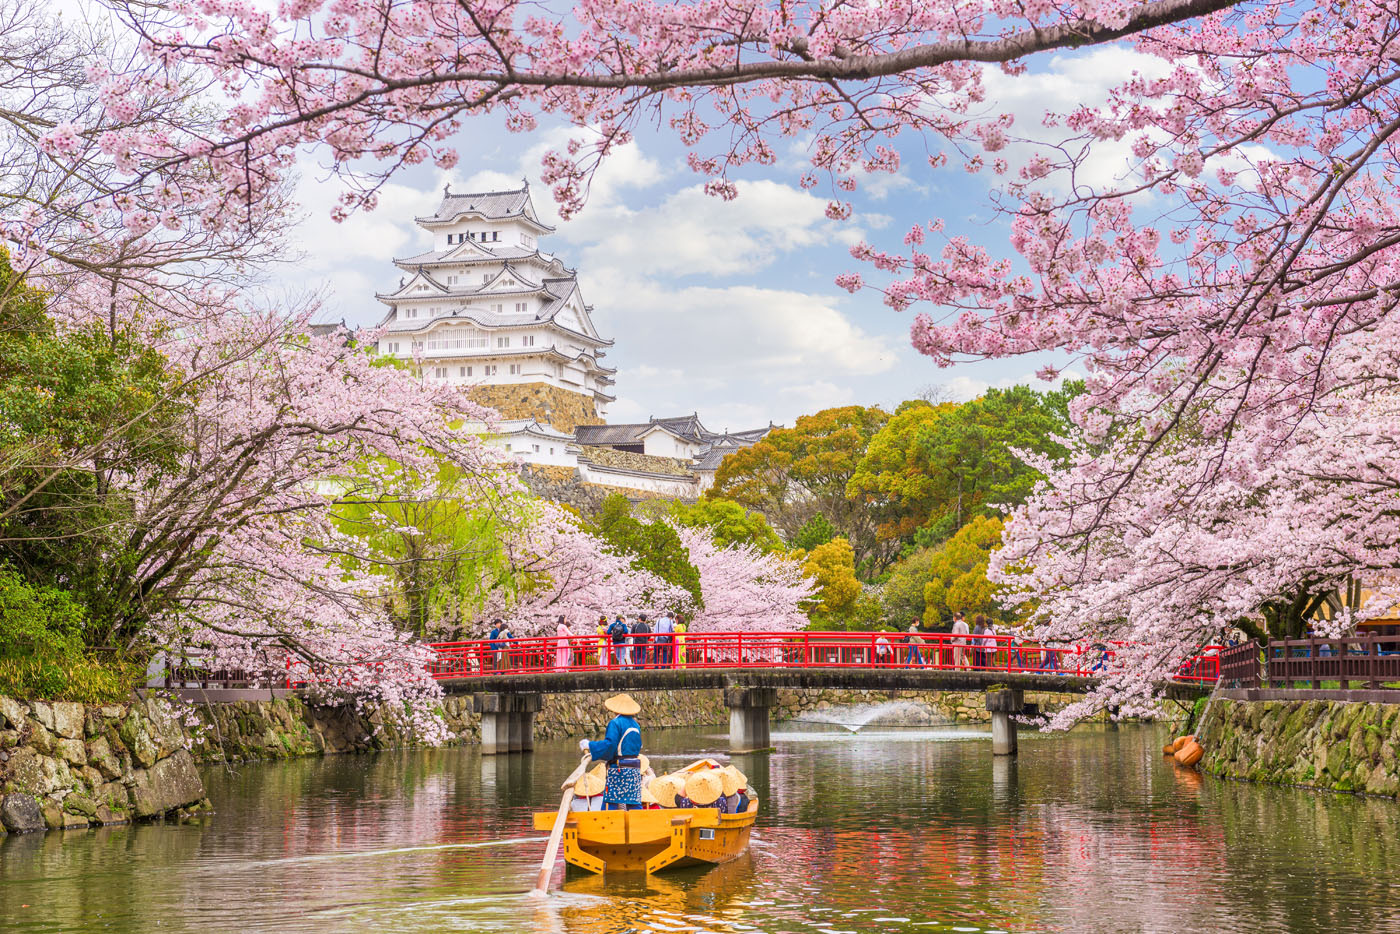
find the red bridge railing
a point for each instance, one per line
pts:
(865, 650)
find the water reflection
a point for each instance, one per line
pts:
(890, 831)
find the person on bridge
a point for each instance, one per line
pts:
(563, 654)
(959, 629)
(617, 633)
(621, 749)
(915, 641)
(602, 632)
(665, 628)
(641, 642)
(680, 640)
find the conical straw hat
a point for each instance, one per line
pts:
(590, 784)
(623, 704)
(703, 788)
(648, 797)
(731, 780)
(664, 789)
(643, 762)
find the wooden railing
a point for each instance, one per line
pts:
(1239, 665)
(1369, 659)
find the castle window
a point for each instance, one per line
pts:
(495, 235)
(536, 447)
(496, 308)
(440, 372)
(551, 450)
(520, 306)
(507, 446)
(489, 370)
(527, 341)
(485, 278)
(461, 371)
(468, 369)
(515, 369)
(503, 342)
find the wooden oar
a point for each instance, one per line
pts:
(552, 848)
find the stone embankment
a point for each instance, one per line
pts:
(70, 765)
(1331, 744)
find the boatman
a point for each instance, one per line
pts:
(621, 749)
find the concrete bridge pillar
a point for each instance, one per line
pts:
(748, 717)
(1003, 704)
(507, 722)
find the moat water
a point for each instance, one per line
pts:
(879, 831)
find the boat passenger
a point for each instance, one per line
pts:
(703, 789)
(588, 790)
(664, 790)
(732, 781)
(621, 749)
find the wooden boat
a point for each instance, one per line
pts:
(654, 839)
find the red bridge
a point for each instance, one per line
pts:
(509, 676)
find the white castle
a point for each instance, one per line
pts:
(488, 309)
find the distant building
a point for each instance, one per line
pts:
(486, 308)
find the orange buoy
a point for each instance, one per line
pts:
(1181, 741)
(1169, 749)
(1190, 754)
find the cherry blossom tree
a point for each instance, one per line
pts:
(1230, 292)
(745, 589)
(558, 569)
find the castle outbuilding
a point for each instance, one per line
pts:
(487, 309)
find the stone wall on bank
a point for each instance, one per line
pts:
(71, 765)
(1336, 745)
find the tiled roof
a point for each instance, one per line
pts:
(494, 205)
(504, 253)
(489, 203)
(609, 434)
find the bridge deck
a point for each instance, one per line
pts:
(855, 679)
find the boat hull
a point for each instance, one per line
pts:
(652, 840)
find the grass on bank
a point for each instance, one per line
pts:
(77, 678)
(43, 654)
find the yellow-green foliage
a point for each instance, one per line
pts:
(833, 567)
(73, 678)
(958, 574)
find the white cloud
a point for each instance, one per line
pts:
(1070, 81)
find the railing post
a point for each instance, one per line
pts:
(1372, 662)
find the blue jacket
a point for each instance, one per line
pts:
(606, 749)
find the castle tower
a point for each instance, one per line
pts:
(486, 307)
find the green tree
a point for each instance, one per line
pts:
(82, 412)
(654, 546)
(817, 530)
(439, 541)
(933, 468)
(903, 594)
(728, 522)
(957, 575)
(795, 473)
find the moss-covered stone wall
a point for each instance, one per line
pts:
(1337, 745)
(70, 765)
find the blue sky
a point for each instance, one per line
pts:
(725, 308)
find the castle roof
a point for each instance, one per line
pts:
(489, 205)
(685, 427)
